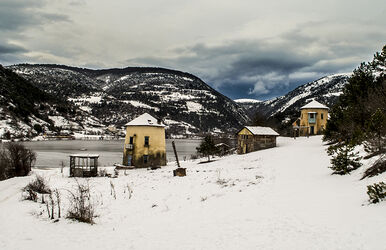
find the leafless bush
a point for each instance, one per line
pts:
(116, 173)
(58, 201)
(81, 207)
(62, 165)
(129, 190)
(15, 160)
(112, 191)
(18, 159)
(54, 200)
(194, 157)
(220, 180)
(38, 185)
(31, 195)
(102, 173)
(4, 165)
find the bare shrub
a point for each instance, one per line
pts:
(31, 195)
(54, 200)
(17, 159)
(113, 193)
(103, 173)
(81, 207)
(39, 185)
(129, 190)
(58, 201)
(194, 157)
(4, 165)
(62, 165)
(220, 181)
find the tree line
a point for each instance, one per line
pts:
(359, 118)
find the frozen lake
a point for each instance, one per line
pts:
(52, 153)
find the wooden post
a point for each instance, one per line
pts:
(179, 171)
(175, 153)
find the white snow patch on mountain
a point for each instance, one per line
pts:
(333, 94)
(246, 100)
(59, 121)
(194, 106)
(139, 104)
(88, 99)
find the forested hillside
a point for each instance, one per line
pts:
(359, 118)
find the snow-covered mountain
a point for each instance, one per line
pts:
(115, 96)
(25, 110)
(248, 104)
(325, 90)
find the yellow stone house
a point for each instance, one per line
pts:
(253, 138)
(312, 120)
(145, 144)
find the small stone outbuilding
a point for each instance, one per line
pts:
(253, 138)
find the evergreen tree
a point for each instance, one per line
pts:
(359, 115)
(376, 133)
(207, 147)
(344, 160)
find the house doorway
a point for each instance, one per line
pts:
(312, 132)
(129, 160)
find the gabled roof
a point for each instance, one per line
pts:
(257, 130)
(314, 105)
(145, 120)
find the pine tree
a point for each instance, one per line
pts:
(344, 160)
(207, 147)
(376, 133)
(359, 117)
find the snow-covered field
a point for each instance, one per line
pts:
(280, 198)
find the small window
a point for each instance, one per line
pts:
(146, 140)
(145, 159)
(131, 140)
(321, 116)
(312, 115)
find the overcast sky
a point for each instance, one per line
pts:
(243, 48)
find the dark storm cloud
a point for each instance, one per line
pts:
(10, 52)
(16, 15)
(258, 49)
(268, 66)
(10, 49)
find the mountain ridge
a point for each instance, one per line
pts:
(115, 96)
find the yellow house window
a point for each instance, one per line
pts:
(145, 159)
(321, 116)
(146, 141)
(131, 141)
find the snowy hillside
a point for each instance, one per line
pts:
(115, 96)
(325, 90)
(27, 111)
(267, 199)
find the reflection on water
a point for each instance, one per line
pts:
(52, 153)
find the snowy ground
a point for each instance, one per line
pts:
(280, 198)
